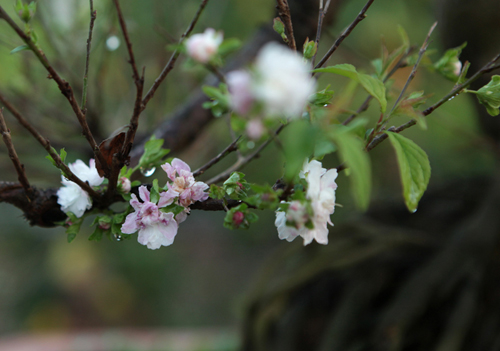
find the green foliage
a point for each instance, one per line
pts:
(154, 194)
(447, 65)
(228, 46)
(310, 48)
(414, 169)
(279, 27)
(351, 149)
(265, 197)
(62, 156)
(153, 154)
(322, 97)
(489, 95)
(409, 107)
(20, 48)
(298, 141)
(373, 86)
(74, 226)
(103, 227)
(236, 186)
(25, 11)
(216, 192)
(219, 99)
(239, 217)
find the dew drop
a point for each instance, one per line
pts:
(451, 98)
(118, 237)
(415, 210)
(148, 172)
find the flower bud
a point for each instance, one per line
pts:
(203, 46)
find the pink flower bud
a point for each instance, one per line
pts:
(238, 218)
(124, 184)
(239, 85)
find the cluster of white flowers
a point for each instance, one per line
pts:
(321, 188)
(202, 47)
(281, 81)
(157, 228)
(71, 197)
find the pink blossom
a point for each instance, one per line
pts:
(156, 228)
(183, 183)
(203, 46)
(239, 84)
(255, 129)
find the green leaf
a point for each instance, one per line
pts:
(236, 186)
(20, 48)
(228, 46)
(97, 234)
(216, 192)
(489, 96)
(239, 217)
(351, 150)
(154, 194)
(279, 27)
(414, 168)
(153, 153)
(373, 86)
(298, 142)
(322, 97)
(74, 228)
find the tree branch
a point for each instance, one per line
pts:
(323, 8)
(284, 13)
(242, 162)
(64, 86)
(93, 15)
(171, 62)
(21, 174)
(361, 16)
(230, 148)
(46, 145)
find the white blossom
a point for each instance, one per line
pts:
(203, 46)
(321, 188)
(71, 197)
(284, 81)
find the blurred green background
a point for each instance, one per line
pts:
(203, 279)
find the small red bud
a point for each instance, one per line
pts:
(238, 218)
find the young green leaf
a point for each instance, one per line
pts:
(489, 96)
(298, 142)
(373, 86)
(351, 150)
(414, 169)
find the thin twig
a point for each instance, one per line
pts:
(64, 86)
(323, 8)
(46, 145)
(361, 16)
(284, 13)
(366, 103)
(230, 148)
(171, 62)
(423, 49)
(21, 174)
(93, 15)
(490, 66)
(242, 162)
(123, 27)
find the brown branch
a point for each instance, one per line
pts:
(323, 8)
(423, 49)
(93, 15)
(242, 162)
(64, 86)
(230, 148)
(46, 145)
(171, 62)
(490, 66)
(361, 16)
(21, 174)
(286, 17)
